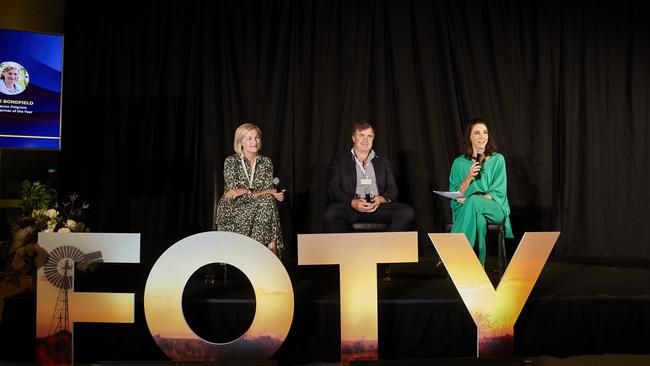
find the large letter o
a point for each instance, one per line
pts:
(163, 297)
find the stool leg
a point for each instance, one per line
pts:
(502, 251)
(225, 273)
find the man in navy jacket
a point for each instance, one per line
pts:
(362, 187)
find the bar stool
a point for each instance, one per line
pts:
(369, 227)
(502, 255)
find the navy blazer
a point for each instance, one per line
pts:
(343, 178)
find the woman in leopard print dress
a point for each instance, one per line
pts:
(248, 204)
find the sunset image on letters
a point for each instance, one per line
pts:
(357, 254)
(164, 295)
(58, 306)
(494, 311)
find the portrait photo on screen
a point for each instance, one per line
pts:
(14, 78)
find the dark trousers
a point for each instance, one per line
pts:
(339, 217)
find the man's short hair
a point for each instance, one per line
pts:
(362, 125)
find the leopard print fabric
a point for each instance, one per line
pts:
(257, 217)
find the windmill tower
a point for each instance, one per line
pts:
(59, 271)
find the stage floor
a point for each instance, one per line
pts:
(574, 309)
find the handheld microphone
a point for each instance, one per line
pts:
(366, 193)
(276, 184)
(479, 155)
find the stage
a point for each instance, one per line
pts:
(576, 308)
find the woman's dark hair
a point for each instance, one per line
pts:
(491, 146)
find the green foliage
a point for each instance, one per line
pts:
(40, 212)
(36, 196)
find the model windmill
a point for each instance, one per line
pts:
(59, 271)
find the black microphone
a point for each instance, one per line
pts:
(479, 153)
(367, 194)
(276, 184)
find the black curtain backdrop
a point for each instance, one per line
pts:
(153, 92)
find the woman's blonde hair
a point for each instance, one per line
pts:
(6, 66)
(240, 132)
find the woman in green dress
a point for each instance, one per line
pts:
(248, 204)
(480, 175)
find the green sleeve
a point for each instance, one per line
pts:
(459, 170)
(456, 176)
(499, 186)
(499, 190)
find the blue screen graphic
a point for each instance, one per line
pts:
(31, 69)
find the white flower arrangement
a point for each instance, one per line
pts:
(40, 213)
